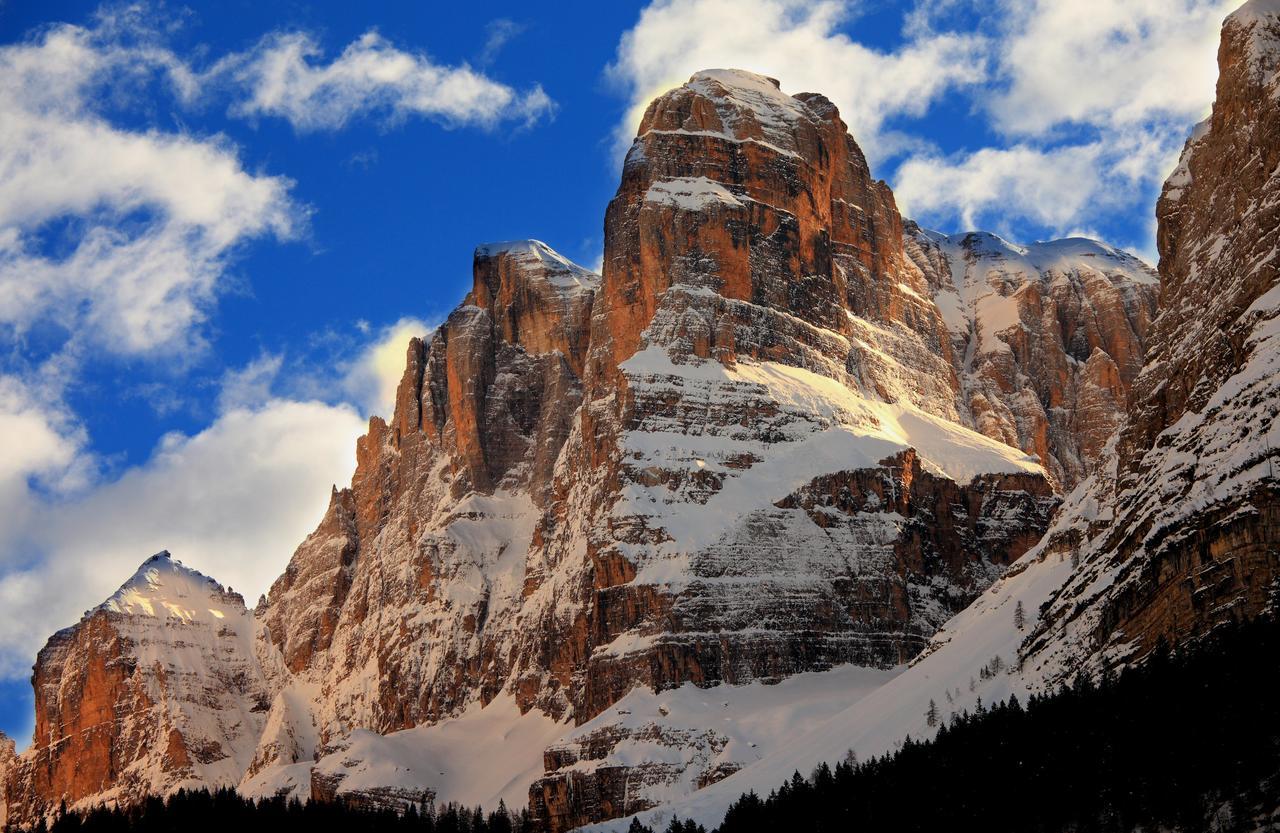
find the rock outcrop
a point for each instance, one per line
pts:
(1047, 338)
(777, 435)
(155, 689)
(398, 607)
(1183, 530)
(8, 754)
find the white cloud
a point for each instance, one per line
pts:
(1109, 63)
(40, 446)
(370, 380)
(1055, 188)
(282, 77)
(251, 385)
(233, 501)
(1097, 97)
(1050, 187)
(152, 216)
(800, 43)
(500, 32)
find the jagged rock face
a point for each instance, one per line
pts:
(755, 302)
(762, 359)
(395, 606)
(757, 211)
(760, 208)
(1183, 531)
(154, 690)
(1047, 338)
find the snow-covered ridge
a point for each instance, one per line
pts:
(954, 674)
(560, 271)
(1261, 20)
(166, 588)
(776, 111)
(1255, 11)
(987, 272)
(1047, 255)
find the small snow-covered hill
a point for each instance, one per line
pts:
(157, 688)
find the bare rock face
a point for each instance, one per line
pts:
(1047, 338)
(8, 754)
(154, 690)
(1183, 531)
(395, 607)
(780, 479)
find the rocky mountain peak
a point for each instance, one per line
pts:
(1258, 23)
(536, 298)
(165, 587)
(157, 687)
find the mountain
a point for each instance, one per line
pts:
(770, 451)
(155, 689)
(1185, 532)
(1176, 531)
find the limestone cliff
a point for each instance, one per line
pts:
(783, 431)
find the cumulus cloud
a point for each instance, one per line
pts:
(285, 77)
(41, 448)
(800, 43)
(1110, 63)
(147, 247)
(1056, 188)
(233, 501)
(1094, 99)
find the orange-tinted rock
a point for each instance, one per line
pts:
(743, 453)
(1047, 338)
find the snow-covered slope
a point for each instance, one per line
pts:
(974, 657)
(483, 756)
(652, 748)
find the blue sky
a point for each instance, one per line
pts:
(220, 222)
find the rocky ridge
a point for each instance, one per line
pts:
(1047, 338)
(1175, 531)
